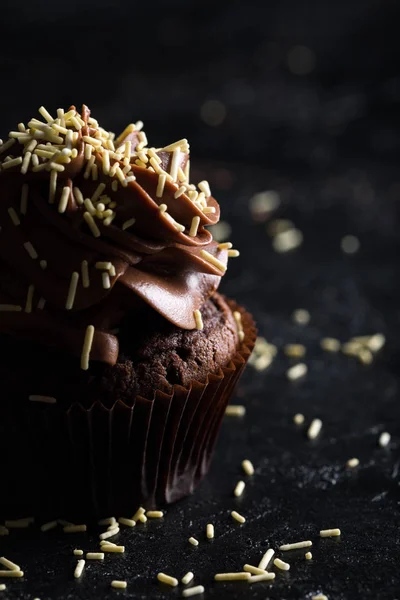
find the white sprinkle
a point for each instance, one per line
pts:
(128, 223)
(19, 523)
(308, 556)
(106, 280)
(85, 274)
(97, 193)
(56, 167)
(14, 162)
(247, 467)
(211, 209)
(298, 419)
(127, 522)
(329, 533)
(352, 463)
(205, 188)
(297, 371)
(48, 526)
(65, 194)
(31, 250)
(29, 298)
(45, 114)
(187, 578)
(109, 533)
(176, 155)
(295, 546)
(140, 511)
(119, 584)
(2, 587)
(235, 410)
(210, 531)
(198, 319)
(239, 518)
(239, 489)
(78, 552)
(213, 260)
(107, 521)
(87, 346)
(72, 290)
(9, 564)
(266, 559)
(263, 203)
(113, 548)
(241, 576)
(95, 555)
(41, 303)
(92, 225)
(79, 568)
(376, 342)
(10, 308)
(384, 439)
(193, 541)
(301, 316)
(284, 566)
(160, 185)
(142, 519)
(13, 573)
(350, 244)
(172, 581)
(13, 216)
(254, 570)
(194, 226)
(330, 344)
(314, 429)
(155, 514)
(194, 591)
(6, 145)
(319, 597)
(44, 399)
(263, 577)
(74, 528)
(53, 186)
(89, 206)
(25, 162)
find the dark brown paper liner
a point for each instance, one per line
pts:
(96, 462)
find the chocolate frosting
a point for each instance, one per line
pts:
(153, 261)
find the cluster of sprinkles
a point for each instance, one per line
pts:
(51, 143)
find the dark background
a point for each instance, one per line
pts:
(297, 97)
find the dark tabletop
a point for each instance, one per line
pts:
(321, 128)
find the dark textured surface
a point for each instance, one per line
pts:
(299, 486)
(328, 141)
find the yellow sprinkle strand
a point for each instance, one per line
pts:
(280, 564)
(140, 511)
(187, 578)
(298, 419)
(113, 548)
(193, 541)
(13, 216)
(109, 533)
(329, 533)
(118, 584)
(194, 226)
(85, 274)
(53, 186)
(167, 579)
(48, 526)
(241, 576)
(235, 410)
(65, 194)
(211, 259)
(128, 223)
(44, 399)
(352, 463)
(72, 290)
(79, 568)
(87, 346)
(19, 523)
(210, 531)
(198, 319)
(127, 522)
(74, 528)
(314, 429)
(247, 467)
(107, 521)
(264, 577)
(13, 573)
(10, 308)
(194, 591)
(266, 559)
(308, 556)
(295, 546)
(239, 518)
(95, 555)
(239, 489)
(29, 298)
(31, 250)
(297, 371)
(78, 552)
(155, 514)
(9, 564)
(92, 225)
(254, 570)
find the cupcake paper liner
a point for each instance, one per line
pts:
(100, 461)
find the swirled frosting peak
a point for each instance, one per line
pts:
(93, 226)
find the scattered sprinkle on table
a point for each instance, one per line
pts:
(301, 316)
(319, 597)
(296, 371)
(296, 545)
(314, 429)
(79, 568)
(186, 579)
(238, 491)
(294, 350)
(247, 467)
(74, 528)
(298, 419)
(241, 576)
(235, 410)
(113, 548)
(330, 344)
(140, 511)
(127, 522)
(167, 579)
(280, 564)
(118, 584)
(194, 591)
(266, 559)
(329, 533)
(193, 541)
(95, 555)
(384, 439)
(253, 570)
(308, 556)
(210, 531)
(352, 462)
(154, 514)
(78, 552)
(12, 573)
(2, 587)
(239, 518)
(9, 564)
(48, 526)
(263, 577)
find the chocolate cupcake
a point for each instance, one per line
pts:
(118, 354)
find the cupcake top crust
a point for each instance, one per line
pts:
(94, 227)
